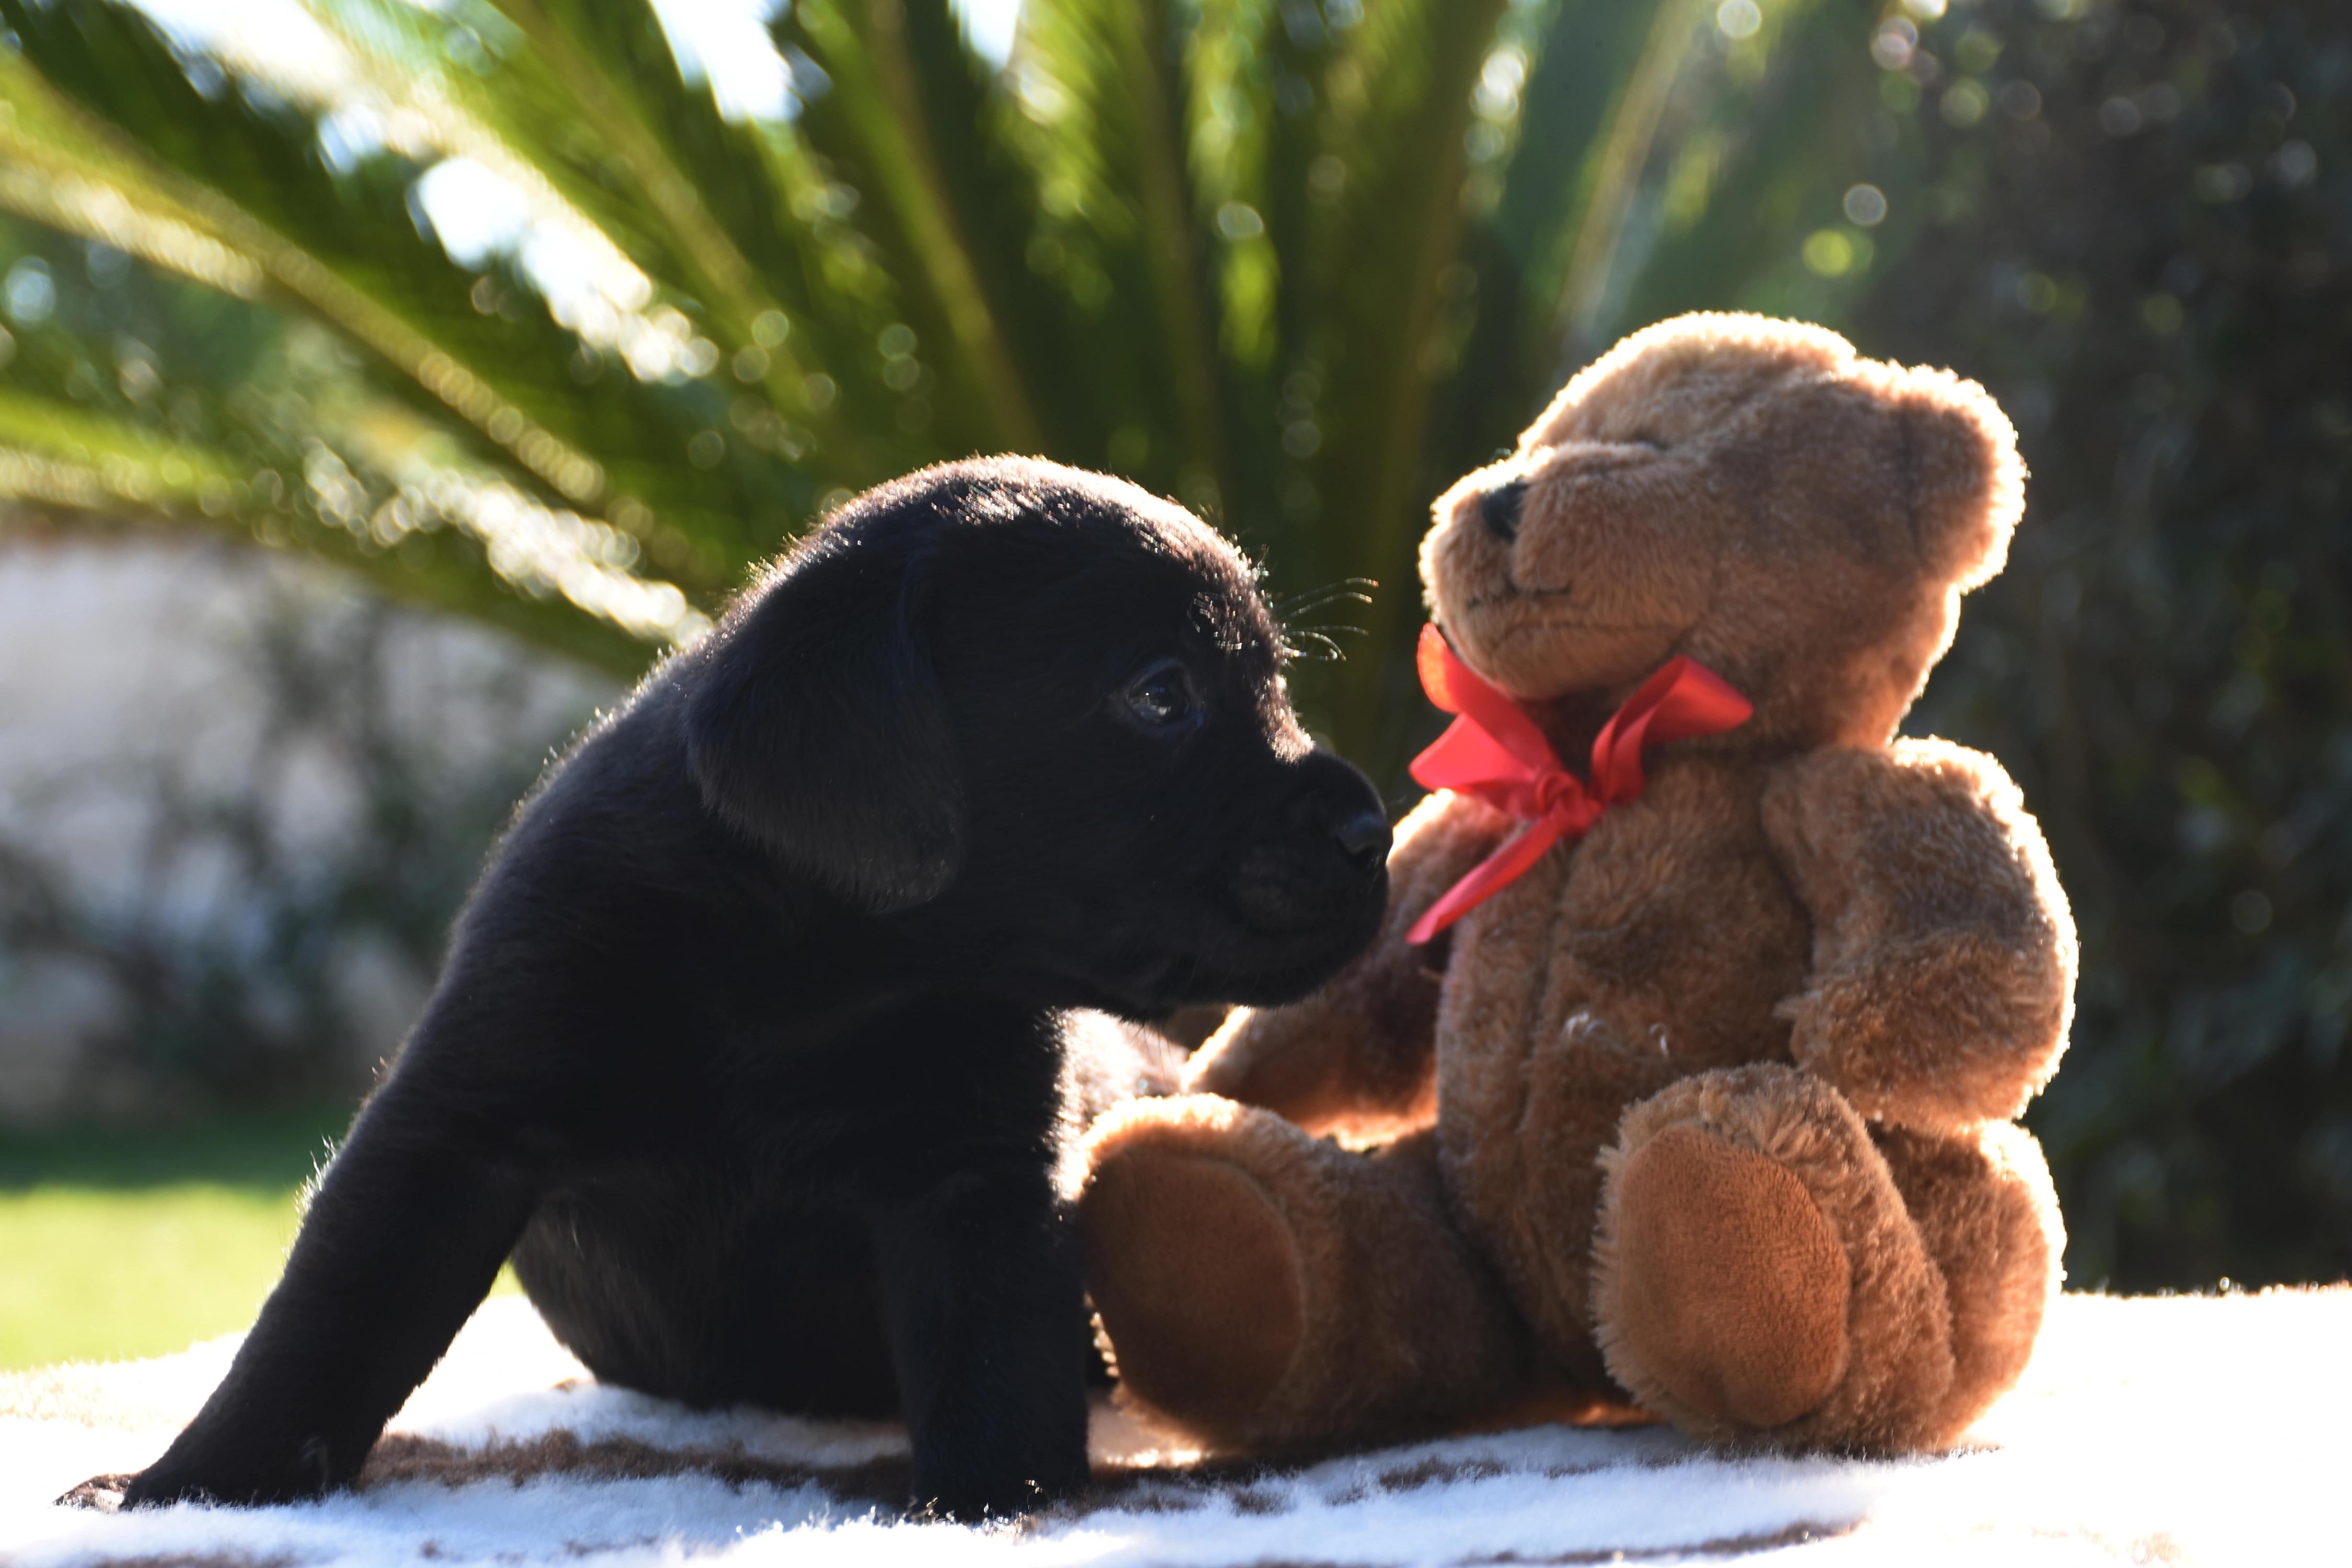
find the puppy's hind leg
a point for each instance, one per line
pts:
(676, 1285)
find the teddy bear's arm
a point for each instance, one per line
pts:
(1942, 965)
(1356, 1056)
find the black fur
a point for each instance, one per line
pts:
(749, 1042)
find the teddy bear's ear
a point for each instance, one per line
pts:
(1967, 483)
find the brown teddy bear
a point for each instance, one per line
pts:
(1706, 1098)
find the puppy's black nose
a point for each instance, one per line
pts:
(1499, 508)
(1364, 839)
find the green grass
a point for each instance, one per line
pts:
(116, 1243)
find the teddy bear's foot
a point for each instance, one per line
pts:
(1263, 1289)
(1759, 1278)
(1696, 1213)
(1195, 1275)
(1984, 1207)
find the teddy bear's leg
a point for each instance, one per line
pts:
(1758, 1276)
(1984, 1206)
(1263, 1288)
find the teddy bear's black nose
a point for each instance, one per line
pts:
(1500, 508)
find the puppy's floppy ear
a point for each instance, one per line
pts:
(815, 725)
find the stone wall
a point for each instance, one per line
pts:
(240, 797)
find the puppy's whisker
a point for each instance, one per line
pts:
(1337, 596)
(1342, 582)
(1318, 642)
(1328, 633)
(1353, 588)
(1314, 646)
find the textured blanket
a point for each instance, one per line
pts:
(2184, 1430)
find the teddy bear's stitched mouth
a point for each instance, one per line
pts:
(1515, 592)
(1562, 624)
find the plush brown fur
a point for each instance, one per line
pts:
(1713, 1105)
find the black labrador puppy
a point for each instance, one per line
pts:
(748, 1045)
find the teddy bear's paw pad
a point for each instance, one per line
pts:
(1731, 1284)
(1197, 1280)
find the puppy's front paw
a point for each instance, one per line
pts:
(978, 1499)
(242, 1479)
(100, 1494)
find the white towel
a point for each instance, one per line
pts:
(2154, 1430)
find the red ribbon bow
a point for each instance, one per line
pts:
(1495, 754)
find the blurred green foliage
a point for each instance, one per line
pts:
(2138, 234)
(1300, 263)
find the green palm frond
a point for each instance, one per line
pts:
(900, 110)
(432, 543)
(1102, 83)
(371, 275)
(45, 178)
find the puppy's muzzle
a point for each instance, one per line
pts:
(1323, 868)
(1364, 839)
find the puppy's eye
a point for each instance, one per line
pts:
(1160, 697)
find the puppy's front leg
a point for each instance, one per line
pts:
(983, 1298)
(402, 1241)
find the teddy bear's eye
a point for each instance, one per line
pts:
(1499, 508)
